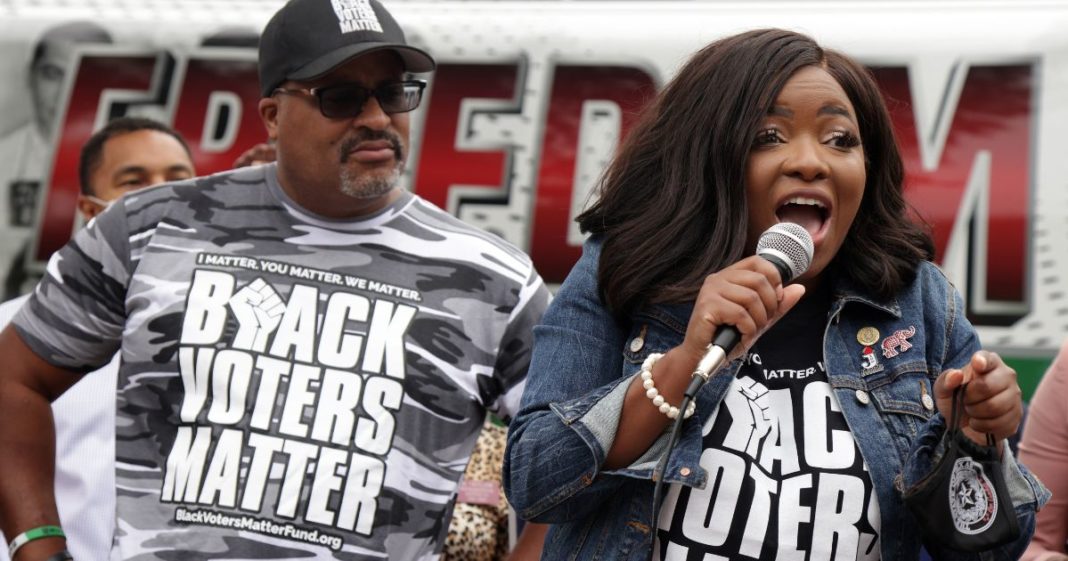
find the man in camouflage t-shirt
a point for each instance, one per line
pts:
(308, 351)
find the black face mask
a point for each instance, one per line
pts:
(964, 504)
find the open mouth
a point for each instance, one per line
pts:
(811, 214)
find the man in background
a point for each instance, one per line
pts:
(128, 154)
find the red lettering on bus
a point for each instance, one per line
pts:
(441, 164)
(216, 144)
(629, 88)
(994, 114)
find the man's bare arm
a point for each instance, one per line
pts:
(28, 385)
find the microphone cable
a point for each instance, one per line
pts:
(661, 465)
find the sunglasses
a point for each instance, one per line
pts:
(346, 101)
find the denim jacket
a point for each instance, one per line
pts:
(584, 361)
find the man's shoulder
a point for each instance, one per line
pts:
(463, 234)
(198, 199)
(228, 182)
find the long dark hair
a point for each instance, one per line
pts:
(672, 204)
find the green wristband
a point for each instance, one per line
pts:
(33, 534)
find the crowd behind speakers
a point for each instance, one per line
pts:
(778, 128)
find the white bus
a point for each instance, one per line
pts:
(531, 98)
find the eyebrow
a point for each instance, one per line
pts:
(141, 169)
(835, 110)
(838, 110)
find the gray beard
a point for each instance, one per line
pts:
(363, 186)
(369, 186)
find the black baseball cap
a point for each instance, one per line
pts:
(308, 38)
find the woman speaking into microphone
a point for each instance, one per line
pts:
(833, 405)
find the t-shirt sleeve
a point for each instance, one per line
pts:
(513, 359)
(75, 317)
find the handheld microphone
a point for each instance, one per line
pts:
(786, 245)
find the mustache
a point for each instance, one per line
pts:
(348, 146)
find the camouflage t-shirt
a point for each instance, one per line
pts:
(291, 386)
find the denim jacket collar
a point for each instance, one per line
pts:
(846, 291)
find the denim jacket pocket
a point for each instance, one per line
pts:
(905, 398)
(653, 331)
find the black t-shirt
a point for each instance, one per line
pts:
(786, 478)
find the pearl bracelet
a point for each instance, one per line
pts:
(651, 392)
